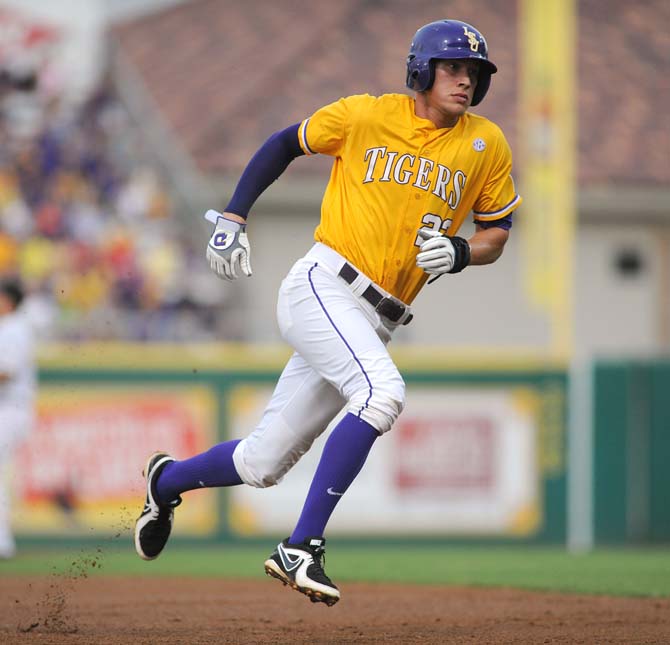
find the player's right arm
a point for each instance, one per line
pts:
(265, 167)
(228, 246)
(324, 132)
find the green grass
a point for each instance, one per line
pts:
(625, 572)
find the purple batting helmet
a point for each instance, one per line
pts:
(444, 39)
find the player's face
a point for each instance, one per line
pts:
(451, 93)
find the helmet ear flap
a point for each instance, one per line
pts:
(420, 73)
(431, 74)
(412, 72)
(483, 84)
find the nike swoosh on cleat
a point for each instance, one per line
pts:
(330, 491)
(289, 563)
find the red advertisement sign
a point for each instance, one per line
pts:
(445, 454)
(84, 459)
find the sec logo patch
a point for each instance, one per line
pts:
(478, 145)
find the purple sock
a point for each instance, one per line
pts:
(206, 470)
(343, 457)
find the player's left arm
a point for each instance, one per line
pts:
(487, 244)
(441, 253)
(492, 212)
(494, 208)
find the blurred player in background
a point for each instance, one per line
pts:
(17, 395)
(407, 171)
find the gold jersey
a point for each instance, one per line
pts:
(394, 173)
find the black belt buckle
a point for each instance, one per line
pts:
(384, 306)
(389, 309)
(392, 310)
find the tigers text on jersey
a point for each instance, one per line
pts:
(395, 172)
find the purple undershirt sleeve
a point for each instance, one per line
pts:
(503, 222)
(267, 165)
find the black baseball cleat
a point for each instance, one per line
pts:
(153, 526)
(301, 566)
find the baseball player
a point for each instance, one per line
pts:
(406, 173)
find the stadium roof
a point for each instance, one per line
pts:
(225, 75)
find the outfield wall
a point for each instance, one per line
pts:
(631, 451)
(478, 453)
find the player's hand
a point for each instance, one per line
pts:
(436, 253)
(440, 254)
(228, 247)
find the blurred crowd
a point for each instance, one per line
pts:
(90, 227)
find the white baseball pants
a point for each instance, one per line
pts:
(14, 427)
(340, 359)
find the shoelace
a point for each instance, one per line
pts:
(319, 557)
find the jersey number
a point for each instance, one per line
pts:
(435, 223)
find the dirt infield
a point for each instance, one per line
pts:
(189, 611)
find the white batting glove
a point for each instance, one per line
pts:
(228, 247)
(436, 253)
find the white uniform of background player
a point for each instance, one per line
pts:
(17, 397)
